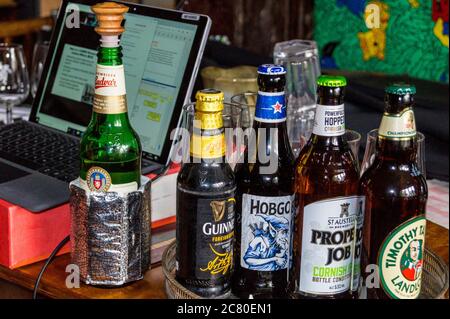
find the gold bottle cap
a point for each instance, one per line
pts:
(209, 100)
(110, 16)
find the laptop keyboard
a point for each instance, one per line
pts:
(51, 153)
(45, 151)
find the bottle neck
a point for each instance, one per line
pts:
(399, 151)
(270, 126)
(270, 110)
(110, 105)
(208, 144)
(397, 132)
(329, 120)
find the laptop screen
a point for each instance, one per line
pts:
(155, 55)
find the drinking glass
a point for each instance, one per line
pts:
(39, 55)
(354, 140)
(14, 81)
(247, 103)
(301, 60)
(370, 152)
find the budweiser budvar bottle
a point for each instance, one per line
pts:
(110, 149)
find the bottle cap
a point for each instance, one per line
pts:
(209, 100)
(400, 89)
(271, 69)
(110, 16)
(332, 81)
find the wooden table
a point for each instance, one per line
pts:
(53, 282)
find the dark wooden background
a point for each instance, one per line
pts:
(257, 25)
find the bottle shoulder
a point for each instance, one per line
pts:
(206, 178)
(119, 145)
(326, 160)
(393, 180)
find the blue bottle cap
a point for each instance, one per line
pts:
(271, 69)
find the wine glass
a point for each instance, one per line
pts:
(14, 81)
(371, 144)
(39, 55)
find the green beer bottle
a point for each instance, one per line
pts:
(110, 149)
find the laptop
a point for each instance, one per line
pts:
(162, 50)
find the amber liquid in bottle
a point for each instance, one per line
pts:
(326, 183)
(396, 195)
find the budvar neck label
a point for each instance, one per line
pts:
(270, 107)
(330, 230)
(400, 259)
(110, 92)
(329, 120)
(266, 232)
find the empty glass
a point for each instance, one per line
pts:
(369, 155)
(247, 103)
(14, 81)
(354, 140)
(301, 60)
(39, 55)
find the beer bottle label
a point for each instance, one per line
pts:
(400, 259)
(398, 126)
(270, 107)
(99, 180)
(214, 239)
(208, 147)
(266, 232)
(110, 92)
(328, 245)
(329, 120)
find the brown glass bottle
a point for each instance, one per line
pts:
(396, 195)
(206, 204)
(265, 197)
(326, 184)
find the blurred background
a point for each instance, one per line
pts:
(412, 40)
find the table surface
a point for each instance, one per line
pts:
(152, 286)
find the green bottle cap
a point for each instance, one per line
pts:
(400, 89)
(331, 81)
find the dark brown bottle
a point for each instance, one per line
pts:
(206, 204)
(396, 195)
(265, 197)
(329, 208)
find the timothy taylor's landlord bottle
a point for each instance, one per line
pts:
(265, 197)
(206, 204)
(330, 212)
(110, 150)
(396, 195)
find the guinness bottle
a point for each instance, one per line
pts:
(396, 195)
(206, 204)
(330, 212)
(265, 201)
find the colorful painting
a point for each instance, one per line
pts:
(390, 36)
